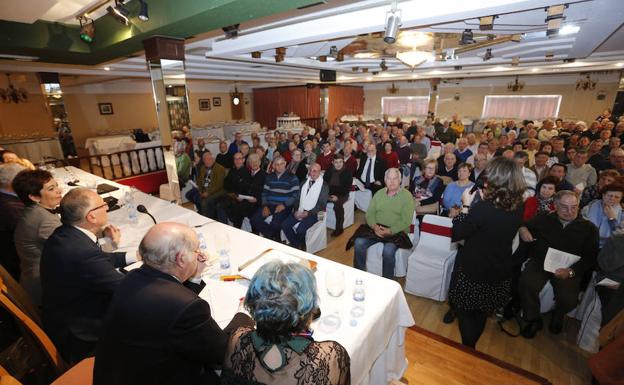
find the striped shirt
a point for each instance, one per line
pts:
(283, 190)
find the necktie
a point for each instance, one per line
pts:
(371, 175)
(310, 184)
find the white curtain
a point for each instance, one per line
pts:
(521, 107)
(405, 105)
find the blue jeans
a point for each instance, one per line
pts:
(269, 230)
(389, 249)
(297, 238)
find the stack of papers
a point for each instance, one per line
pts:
(557, 259)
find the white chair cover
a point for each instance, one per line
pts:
(431, 264)
(590, 311)
(374, 258)
(349, 213)
(363, 199)
(316, 236)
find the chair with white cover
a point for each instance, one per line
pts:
(316, 236)
(374, 258)
(431, 264)
(349, 213)
(589, 312)
(435, 150)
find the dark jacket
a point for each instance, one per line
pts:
(320, 203)
(216, 179)
(11, 208)
(257, 185)
(579, 237)
(158, 331)
(378, 171)
(488, 233)
(237, 181)
(226, 160)
(78, 280)
(346, 180)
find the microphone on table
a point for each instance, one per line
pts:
(143, 209)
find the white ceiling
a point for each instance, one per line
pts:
(62, 11)
(597, 46)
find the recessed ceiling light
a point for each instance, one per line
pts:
(369, 78)
(534, 69)
(569, 29)
(499, 68)
(106, 68)
(414, 75)
(619, 65)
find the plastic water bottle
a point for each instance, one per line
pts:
(202, 242)
(224, 258)
(359, 293)
(131, 207)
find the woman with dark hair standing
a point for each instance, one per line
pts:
(482, 280)
(41, 196)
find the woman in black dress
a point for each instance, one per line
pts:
(482, 280)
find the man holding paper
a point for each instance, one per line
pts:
(562, 248)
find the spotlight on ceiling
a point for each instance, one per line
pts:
(515, 61)
(143, 16)
(466, 37)
(393, 22)
(333, 51)
(488, 54)
(87, 29)
(119, 12)
(256, 54)
(383, 65)
(486, 23)
(231, 31)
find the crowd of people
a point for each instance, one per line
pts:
(559, 186)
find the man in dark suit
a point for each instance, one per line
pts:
(371, 170)
(11, 208)
(78, 279)
(158, 330)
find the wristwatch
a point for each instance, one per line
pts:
(571, 274)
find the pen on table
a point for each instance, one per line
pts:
(227, 278)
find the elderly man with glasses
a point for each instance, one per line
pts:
(78, 279)
(566, 231)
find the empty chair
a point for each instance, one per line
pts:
(431, 264)
(374, 257)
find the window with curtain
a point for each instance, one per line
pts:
(405, 105)
(521, 106)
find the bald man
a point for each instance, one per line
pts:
(157, 330)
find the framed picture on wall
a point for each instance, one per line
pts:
(106, 108)
(204, 104)
(216, 101)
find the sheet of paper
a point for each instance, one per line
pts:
(245, 197)
(580, 186)
(608, 282)
(358, 183)
(557, 259)
(249, 271)
(221, 306)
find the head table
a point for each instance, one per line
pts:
(375, 340)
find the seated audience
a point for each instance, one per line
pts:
(209, 182)
(389, 156)
(540, 168)
(283, 300)
(559, 170)
(309, 156)
(350, 159)
(530, 179)
(544, 199)
(446, 134)
(11, 207)
(281, 190)
(615, 161)
(78, 279)
(462, 152)
(606, 214)
(324, 159)
(234, 146)
(592, 192)
(404, 151)
(611, 263)
(312, 199)
(480, 162)
(183, 163)
(451, 198)
(388, 220)
(224, 157)
(41, 196)
(458, 126)
(426, 187)
(235, 184)
(200, 148)
(175, 340)
(371, 169)
(297, 166)
(548, 131)
(339, 180)
(448, 168)
(579, 173)
(563, 230)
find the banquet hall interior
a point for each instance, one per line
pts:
(237, 121)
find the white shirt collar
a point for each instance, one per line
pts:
(8, 192)
(88, 233)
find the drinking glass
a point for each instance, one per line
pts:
(335, 282)
(222, 243)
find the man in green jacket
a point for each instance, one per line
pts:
(210, 185)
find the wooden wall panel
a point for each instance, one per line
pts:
(269, 103)
(344, 100)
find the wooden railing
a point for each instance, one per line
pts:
(118, 165)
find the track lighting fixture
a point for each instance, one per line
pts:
(393, 22)
(466, 37)
(383, 65)
(87, 29)
(488, 54)
(231, 31)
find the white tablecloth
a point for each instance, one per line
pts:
(34, 149)
(375, 344)
(225, 130)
